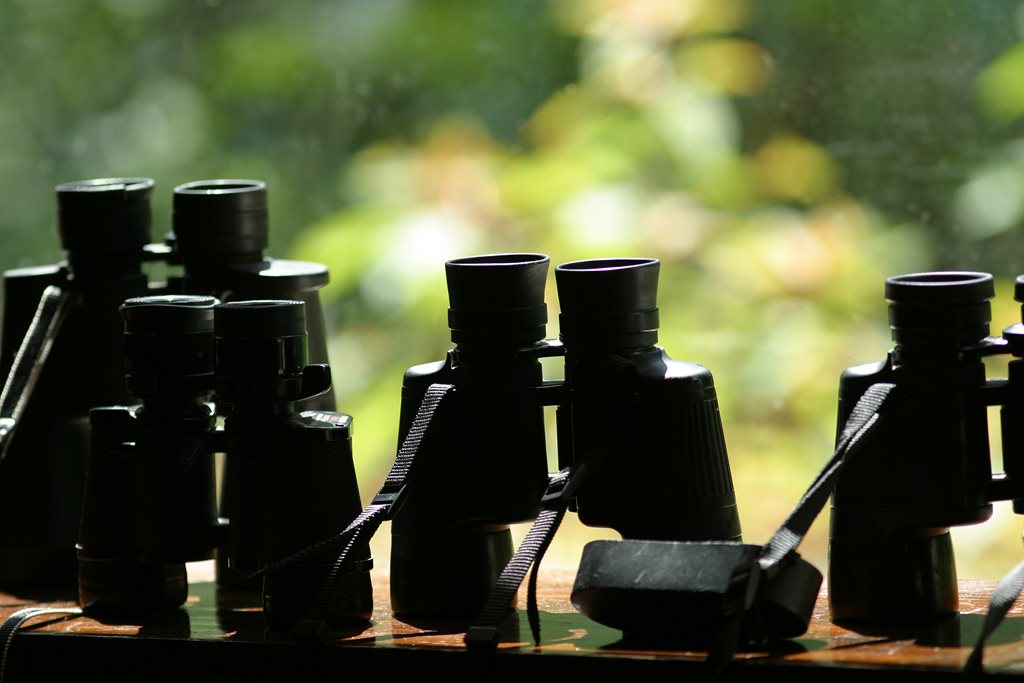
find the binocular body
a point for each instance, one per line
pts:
(926, 467)
(149, 506)
(291, 484)
(451, 538)
(624, 410)
(669, 425)
(220, 232)
(290, 479)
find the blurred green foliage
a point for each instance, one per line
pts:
(781, 159)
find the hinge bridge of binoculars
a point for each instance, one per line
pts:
(216, 440)
(551, 393)
(156, 252)
(1014, 337)
(997, 392)
(1004, 487)
(990, 346)
(549, 348)
(316, 379)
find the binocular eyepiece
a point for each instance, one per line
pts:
(102, 220)
(221, 221)
(608, 303)
(497, 299)
(939, 309)
(262, 352)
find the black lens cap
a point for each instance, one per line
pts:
(260, 319)
(168, 314)
(104, 215)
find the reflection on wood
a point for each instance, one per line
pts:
(235, 617)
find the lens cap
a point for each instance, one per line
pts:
(169, 314)
(261, 319)
(104, 215)
(168, 345)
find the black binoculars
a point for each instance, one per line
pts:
(647, 427)
(927, 466)
(61, 349)
(150, 495)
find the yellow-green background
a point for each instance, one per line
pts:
(781, 159)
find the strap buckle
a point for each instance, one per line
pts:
(392, 497)
(562, 485)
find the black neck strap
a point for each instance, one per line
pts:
(484, 632)
(1006, 593)
(619, 375)
(29, 361)
(783, 543)
(14, 622)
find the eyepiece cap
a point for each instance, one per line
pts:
(168, 345)
(104, 215)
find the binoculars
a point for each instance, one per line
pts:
(62, 342)
(150, 495)
(927, 466)
(646, 427)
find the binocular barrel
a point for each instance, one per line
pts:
(1012, 412)
(635, 411)
(927, 466)
(104, 225)
(289, 477)
(482, 464)
(149, 503)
